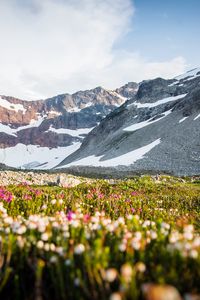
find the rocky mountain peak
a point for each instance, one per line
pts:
(128, 90)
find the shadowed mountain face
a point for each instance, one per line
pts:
(43, 132)
(157, 130)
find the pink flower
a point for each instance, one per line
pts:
(70, 216)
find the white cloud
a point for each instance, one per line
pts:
(54, 46)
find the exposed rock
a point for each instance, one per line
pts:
(163, 113)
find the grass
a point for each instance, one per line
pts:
(99, 240)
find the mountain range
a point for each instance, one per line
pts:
(151, 126)
(39, 134)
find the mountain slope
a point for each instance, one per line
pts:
(43, 132)
(158, 130)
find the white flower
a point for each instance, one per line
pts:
(8, 220)
(68, 262)
(174, 237)
(153, 234)
(79, 249)
(115, 296)
(45, 236)
(40, 244)
(120, 220)
(60, 250)
(188, 235)
(146, 223)
(126, 272)
(53, 259)
(165, 225)
(189, 228)
(122, 247)
(75, 223)
(140, 267)
(135, 244)
(53, 201)
(138, 235)
(20, 241)
(111, 274)
(76, 281)
(188, 246)
(21, 229)
(46, 247)
(32, 225)
(196, 242)
(52, 247)
(193, 253)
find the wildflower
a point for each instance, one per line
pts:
(122, 247)
(135, 244)
(111, 274)
(134, 193)
(76, 281)
(20, 241)
(153, 234)
(67, 262)
(53, 259)
(79, 249)
(60, 201)
(115, 296)
(196, 242)
(21, 229)
(52, 247)
(193, 253)
(45, 236)
(140, 267)
(138, 235)
(46, 247)
(126, 272)
(188, 235)
(53, 201)
(8, 220)
(40, 244)
(70, 215)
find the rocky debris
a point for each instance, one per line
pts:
(162, 111)
(37, 178)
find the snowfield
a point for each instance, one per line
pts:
(31, 156)
(123, 160)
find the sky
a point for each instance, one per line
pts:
(51, 47)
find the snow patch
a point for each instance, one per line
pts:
(33, 123)
(34, 155)
(125, 159)
(13, 131)
(11, 106)
(75, 133)
(159, 102)
(191, 73)
(198, 116)
(148, 122)
(183, 119)
(6, 129)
